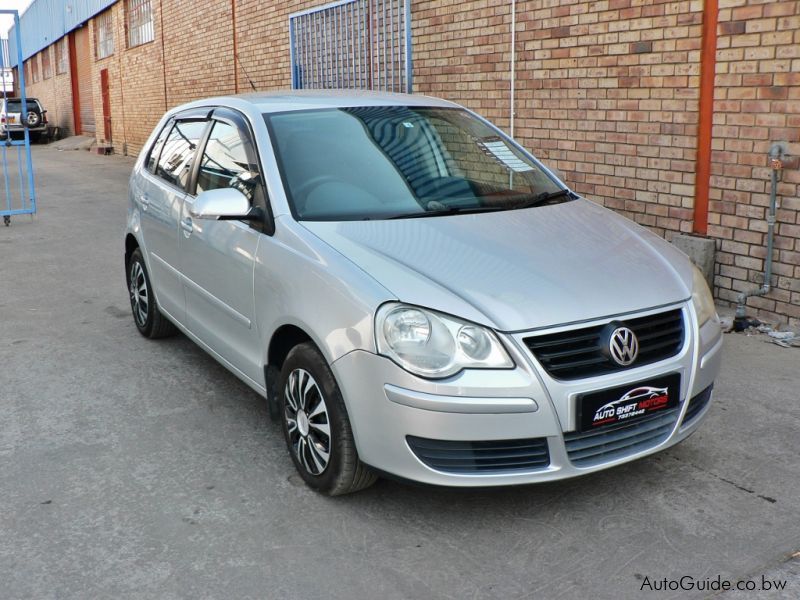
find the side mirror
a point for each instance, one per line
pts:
(224, 204)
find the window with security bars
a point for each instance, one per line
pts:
(47, 66)
(104, 35)
(363, 44)
(62, 62)
(139, 22)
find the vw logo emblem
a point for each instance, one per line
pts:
(623, 346)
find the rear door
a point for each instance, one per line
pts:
(161, 192)
(218, 257)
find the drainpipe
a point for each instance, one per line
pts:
(777, 151)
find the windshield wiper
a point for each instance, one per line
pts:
(461, 210)
(450, 210)
(542, 198)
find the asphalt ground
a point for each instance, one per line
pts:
(138, 469)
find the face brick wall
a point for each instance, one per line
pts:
(198, 43)
(757, 102)
(262, 39)
(607, 91)
(55, 94)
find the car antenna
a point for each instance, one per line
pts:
(241, 66)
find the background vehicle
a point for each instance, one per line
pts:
(13, 119)
(413, 292)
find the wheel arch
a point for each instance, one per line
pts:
(283, 339)
(131, 244)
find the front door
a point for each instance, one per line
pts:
(160, 196)
(218, 257)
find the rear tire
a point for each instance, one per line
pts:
(146, 314)
(316, 427)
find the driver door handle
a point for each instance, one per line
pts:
(186, 225)
(144, 201)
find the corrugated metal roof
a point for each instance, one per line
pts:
(46, 21)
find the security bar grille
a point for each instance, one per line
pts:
(357, 44)
(104, 45)
(139, 22)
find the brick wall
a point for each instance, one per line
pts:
(607, 91)
(262, 39)
(136, 83)
(198, 43)
(116, 87)
(55, 94)
(757, 102)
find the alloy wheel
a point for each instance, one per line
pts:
(140, 297)
(306, 418)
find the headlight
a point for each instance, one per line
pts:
(431, 344)
(702, 299)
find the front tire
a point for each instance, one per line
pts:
(316, 427)
(146, 315)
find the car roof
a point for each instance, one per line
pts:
(18, 99)
(293, 100)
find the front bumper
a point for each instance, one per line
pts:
(388, 408)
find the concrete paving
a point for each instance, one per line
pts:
(75, 142)
(139, 469)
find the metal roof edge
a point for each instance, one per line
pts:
(45, 22)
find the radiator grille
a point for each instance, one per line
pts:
(579, 353)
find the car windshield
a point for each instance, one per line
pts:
(15, 106)
(379, 162)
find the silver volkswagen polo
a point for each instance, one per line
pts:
(413, 292)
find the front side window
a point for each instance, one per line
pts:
(230, 160)
(400, 161)
(104, 42)
(139, 22)
(226, 162)
(175, 161)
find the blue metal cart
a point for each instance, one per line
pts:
(20, 196)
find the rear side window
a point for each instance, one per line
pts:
(175, 162)
(152, 158)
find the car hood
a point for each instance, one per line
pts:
(518, 269)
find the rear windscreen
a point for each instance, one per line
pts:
(15, 106)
